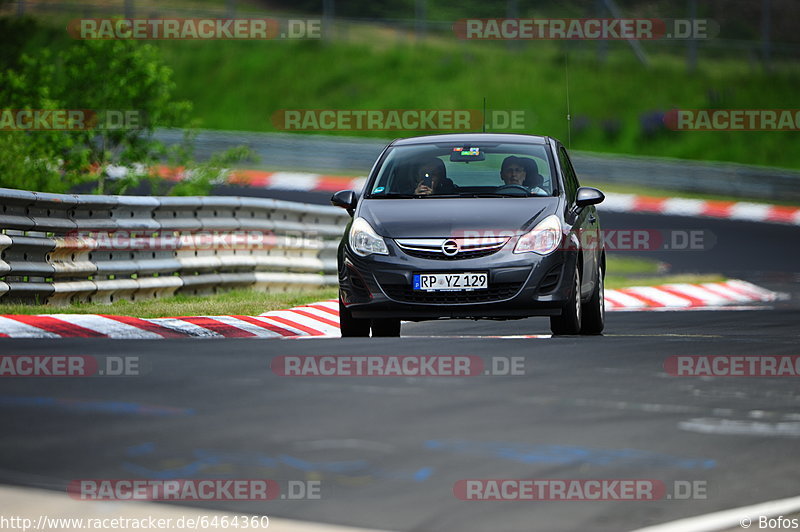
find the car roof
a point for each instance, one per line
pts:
(471, 137)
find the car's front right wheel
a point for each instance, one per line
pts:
(351, 327)
(569, 322)
(594, 311)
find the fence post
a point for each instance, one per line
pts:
(512, 11)
(766, 27)
(328, 12)
(634, 44)
(602, 44)
(420, 19)
(691, 45)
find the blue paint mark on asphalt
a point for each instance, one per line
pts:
(80, 405)
(423, 474)
(566, 454)
(141, 449)
(204, 461)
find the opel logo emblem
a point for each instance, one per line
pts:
(450, 247)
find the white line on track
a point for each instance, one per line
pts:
(736, 427)
(32, 503)
(729, 519)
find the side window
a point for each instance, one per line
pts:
(570, 179)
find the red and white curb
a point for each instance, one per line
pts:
(684, 296)
(322, 319)
(316, 319)
(728, 210)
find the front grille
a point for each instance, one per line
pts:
(438, 255)
(468, 248)
(496, 292)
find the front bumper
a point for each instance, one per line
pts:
(520, 285)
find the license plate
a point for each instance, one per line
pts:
(435, 282)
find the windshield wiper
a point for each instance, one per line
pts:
(398, 195)
(493, 195)
(392, 195)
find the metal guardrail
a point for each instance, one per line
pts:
(329, 154)
(60, 248)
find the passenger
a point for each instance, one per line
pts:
(432, 179)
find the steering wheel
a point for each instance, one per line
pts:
(514, 187)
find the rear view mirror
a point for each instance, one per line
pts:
(345, 199)
(466, 155)
(589, 196)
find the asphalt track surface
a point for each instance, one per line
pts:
(389, 450)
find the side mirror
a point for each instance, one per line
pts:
(588, 196)
(345, 199)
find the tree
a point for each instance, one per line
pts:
(128, 92)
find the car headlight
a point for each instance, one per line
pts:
(364, 240)
(542, 239)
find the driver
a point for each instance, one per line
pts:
(513, 171)
(432, 178)
(521, 172)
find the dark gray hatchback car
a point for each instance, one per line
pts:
(478, 226)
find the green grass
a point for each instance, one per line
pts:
(622, 272)
(244, 83)
(621, 281)
(238, 85)
(236, 302)
(632, 266)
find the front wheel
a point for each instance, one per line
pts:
(569, 322)
(594, 311)
(351, 327)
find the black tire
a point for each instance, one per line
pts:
(352, 327)
(570, 320)
(385, 328)
(594, 311)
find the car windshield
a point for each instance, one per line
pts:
(464, 170)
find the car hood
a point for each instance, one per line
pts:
(428, 217)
